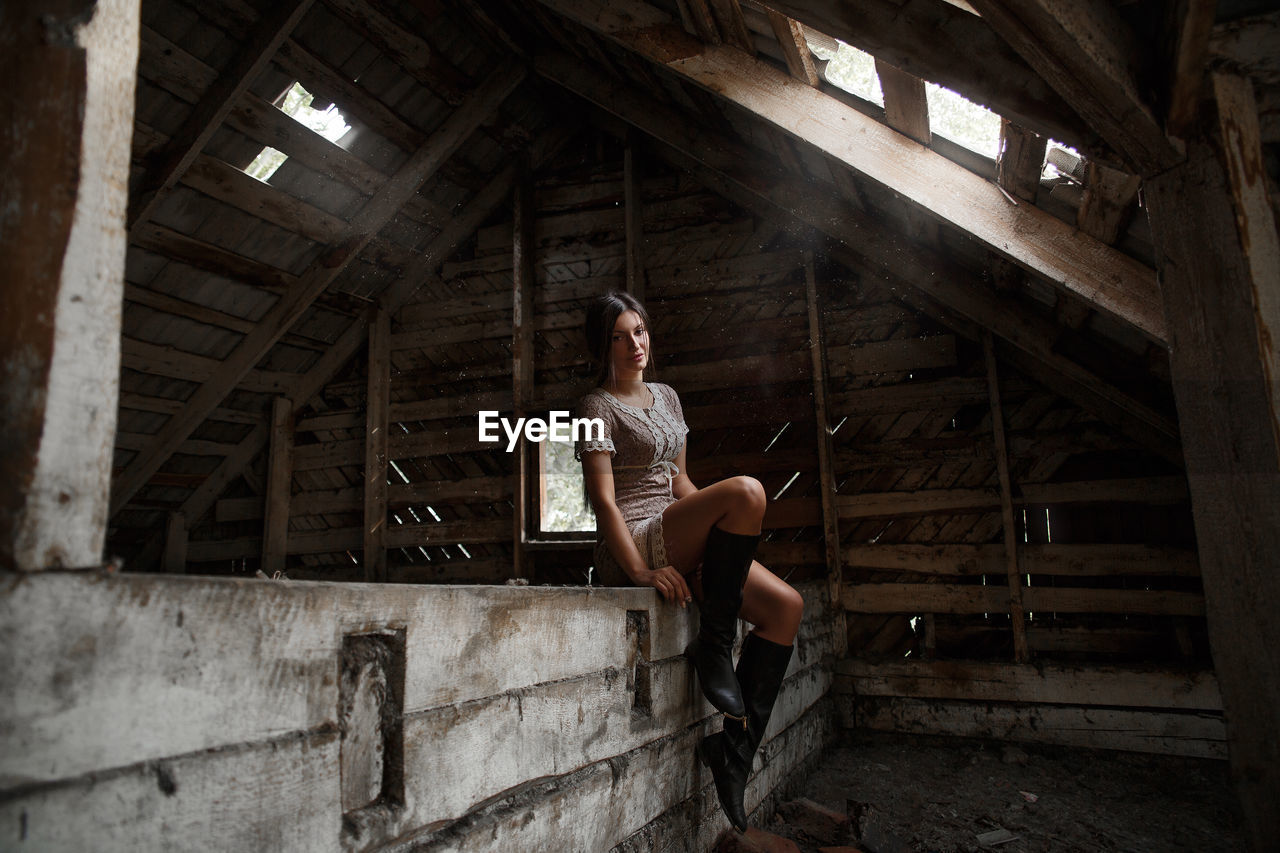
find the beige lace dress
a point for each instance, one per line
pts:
(643, 445)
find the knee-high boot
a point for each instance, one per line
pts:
(725, 563)
(729, 753)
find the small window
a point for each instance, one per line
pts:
(296, 103)
(564, 513)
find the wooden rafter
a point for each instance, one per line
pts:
(749, 179)
(1189, 25)
(181, 151)
(939, 188)
(356, 234)
(1086, 52)
(795, 50)
(397, 295)
(953, 48)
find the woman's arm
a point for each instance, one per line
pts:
(682, 486)
(598, 471)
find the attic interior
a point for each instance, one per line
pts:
(1009, 405)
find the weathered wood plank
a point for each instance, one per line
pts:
(275, 525)
(938, 188)
(1137, 731)
(1066, 560)
(1045, 682)
(953, 48)
(795, 50)
(1221, 350)
(357, 234)
(376, 437)
(905, 108)
(1021, 160)
(967, 598)
(1012, 574)
(1087, 53)
(183, 149)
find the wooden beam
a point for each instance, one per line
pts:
(906, 109)
(1065, 560)
(973, 598)
(1255, 220)
(733, 27)
(634, 205)
(953, 48)
(376, 455)
(1012, 574)
(1110, 197)
(795, 50)
(1086, 51)
(1021, 160)
(932, 184)
(1190, 25)
(1220, 300)
(523, 282)
(826, 459)
(275, 523)
(181, 151)
(748, 179)
(376, 213)
(175, 545)
(698, 20)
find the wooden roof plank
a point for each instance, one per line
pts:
(321, 273)
(1032, 238)
(952, 48)
(212, 109)
(795, 50)
(749, 180)
(1085, 51)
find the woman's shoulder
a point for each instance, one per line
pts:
(595, 400)
(666, 391)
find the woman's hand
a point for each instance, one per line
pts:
(667, 581)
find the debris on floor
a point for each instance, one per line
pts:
(883, 793)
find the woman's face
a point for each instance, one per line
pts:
(630, 348)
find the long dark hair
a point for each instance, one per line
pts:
(602, 316)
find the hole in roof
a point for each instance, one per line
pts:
(962, 121)
(1062, 160)
(849, 68)
(296, 103)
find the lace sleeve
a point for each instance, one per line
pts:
(594, 438)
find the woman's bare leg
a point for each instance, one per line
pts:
(735, 505)
(772, 605)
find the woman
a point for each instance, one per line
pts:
(656, 528)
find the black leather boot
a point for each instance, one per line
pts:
(729, 753)
(725, 563)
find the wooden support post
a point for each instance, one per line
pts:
(377, 425)
(1110, 197)
(826, 458)
(275, 522)
(175, 545)
(634, 205)
(66, 122)
(1021, 653)
(522, 281)
(1220, 288)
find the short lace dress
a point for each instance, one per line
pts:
(643, 445)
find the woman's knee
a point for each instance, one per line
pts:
(791, 606)
(748, 495)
